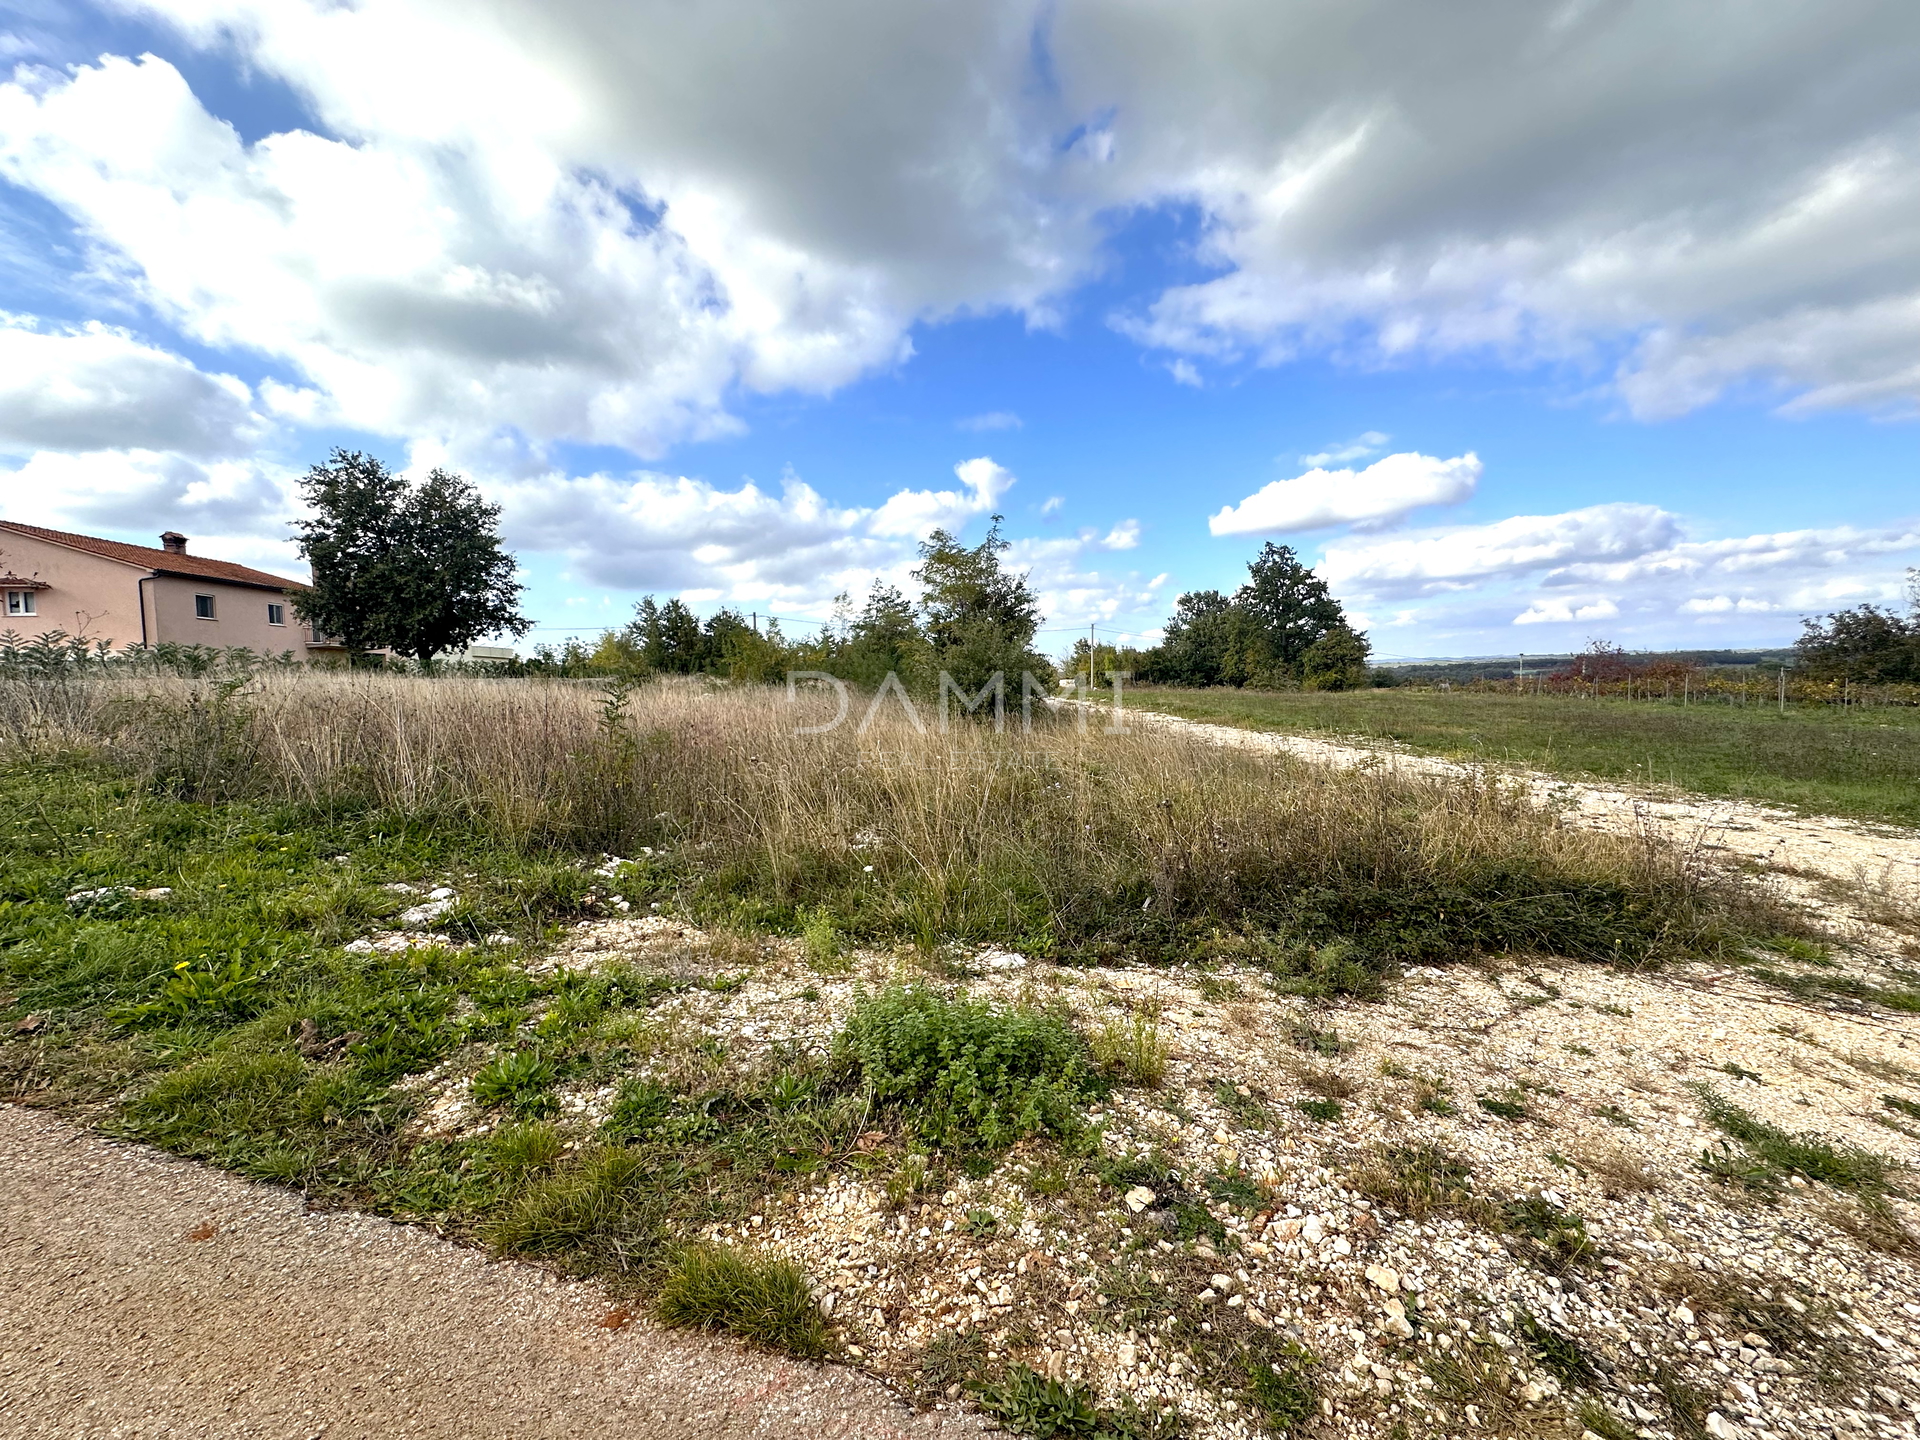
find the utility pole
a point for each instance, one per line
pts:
(1090, 657)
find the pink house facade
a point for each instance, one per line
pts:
(134, 595)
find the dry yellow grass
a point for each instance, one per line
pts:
(1064, 836)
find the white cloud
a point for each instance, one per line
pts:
(589, 221)
(97, 388)
(1632, 565)
(1383, 492)
(232, 509)
(1426, 562)
(1185, 372)
(915, 512)
(991, 420)
(791, 551)
(1370, 442)
(1564, 611)
(1124, 536)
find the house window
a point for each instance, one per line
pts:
(203, 607)
(276, 614)
(20, 602)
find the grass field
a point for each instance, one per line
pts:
(192, 864)
(1863, 763)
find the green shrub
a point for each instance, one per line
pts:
(967, 1073)
(760, 1298)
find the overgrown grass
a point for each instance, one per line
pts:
(1863, 763)
(1069, 843)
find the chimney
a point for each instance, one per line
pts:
(174, 542)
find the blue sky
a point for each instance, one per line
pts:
(1546, 324)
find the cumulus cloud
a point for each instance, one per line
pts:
(790, 551)
(1370, 442)
(1630, 564)
(599, 222)
(234, 509)
(1383, 492)
(97, 388)
(1426, 562)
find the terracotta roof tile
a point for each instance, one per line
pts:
(163, 562)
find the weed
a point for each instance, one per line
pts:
(1740, 1072)
(1028, 1403)
(1795, 1323)
(1686, 1404)
(608, 1210)
(1280, 1385)
(1597, 1419)
(756, 1297)
(964, 1072)
(1477, 1374)
(1215, 989)
(1511, 1107)
(1556, 1238)
(1560, 1355)
(520, 1078)
(1873, 1224)
(824, 945)
(1242, 1104)
(1418, 1181)
(1321, 1112)
(1903, 1107)
(1324, 1081)
(1131, 1049)
(1612, 1009)
(640, 1110)
(915, 1174)
(982, 1223)
(1235, 1189)
(202, 991)
(950, 1361)
(1304, 1035)
(1776, 1153)
(515, 1152)
(1620, 1171)
(1614, 1115)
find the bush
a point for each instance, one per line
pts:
(967, 1073)
(715, 1287)
(1131, 1049)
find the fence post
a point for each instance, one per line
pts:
(1783, 689)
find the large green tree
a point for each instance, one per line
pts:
(415, 569)
(978, 616)
(1282, 627)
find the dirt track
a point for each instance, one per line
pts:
(115, 1320)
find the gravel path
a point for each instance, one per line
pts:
(1883, 858)
(146, 1296)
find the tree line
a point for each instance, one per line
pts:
(1869, 644)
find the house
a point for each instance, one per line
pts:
(134, 595)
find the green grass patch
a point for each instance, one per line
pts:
(1028, 1403)
(1773, 1153)
(965, 1073)
(756, 1297)
(1861, 763)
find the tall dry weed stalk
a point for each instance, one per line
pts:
(1063, 837)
